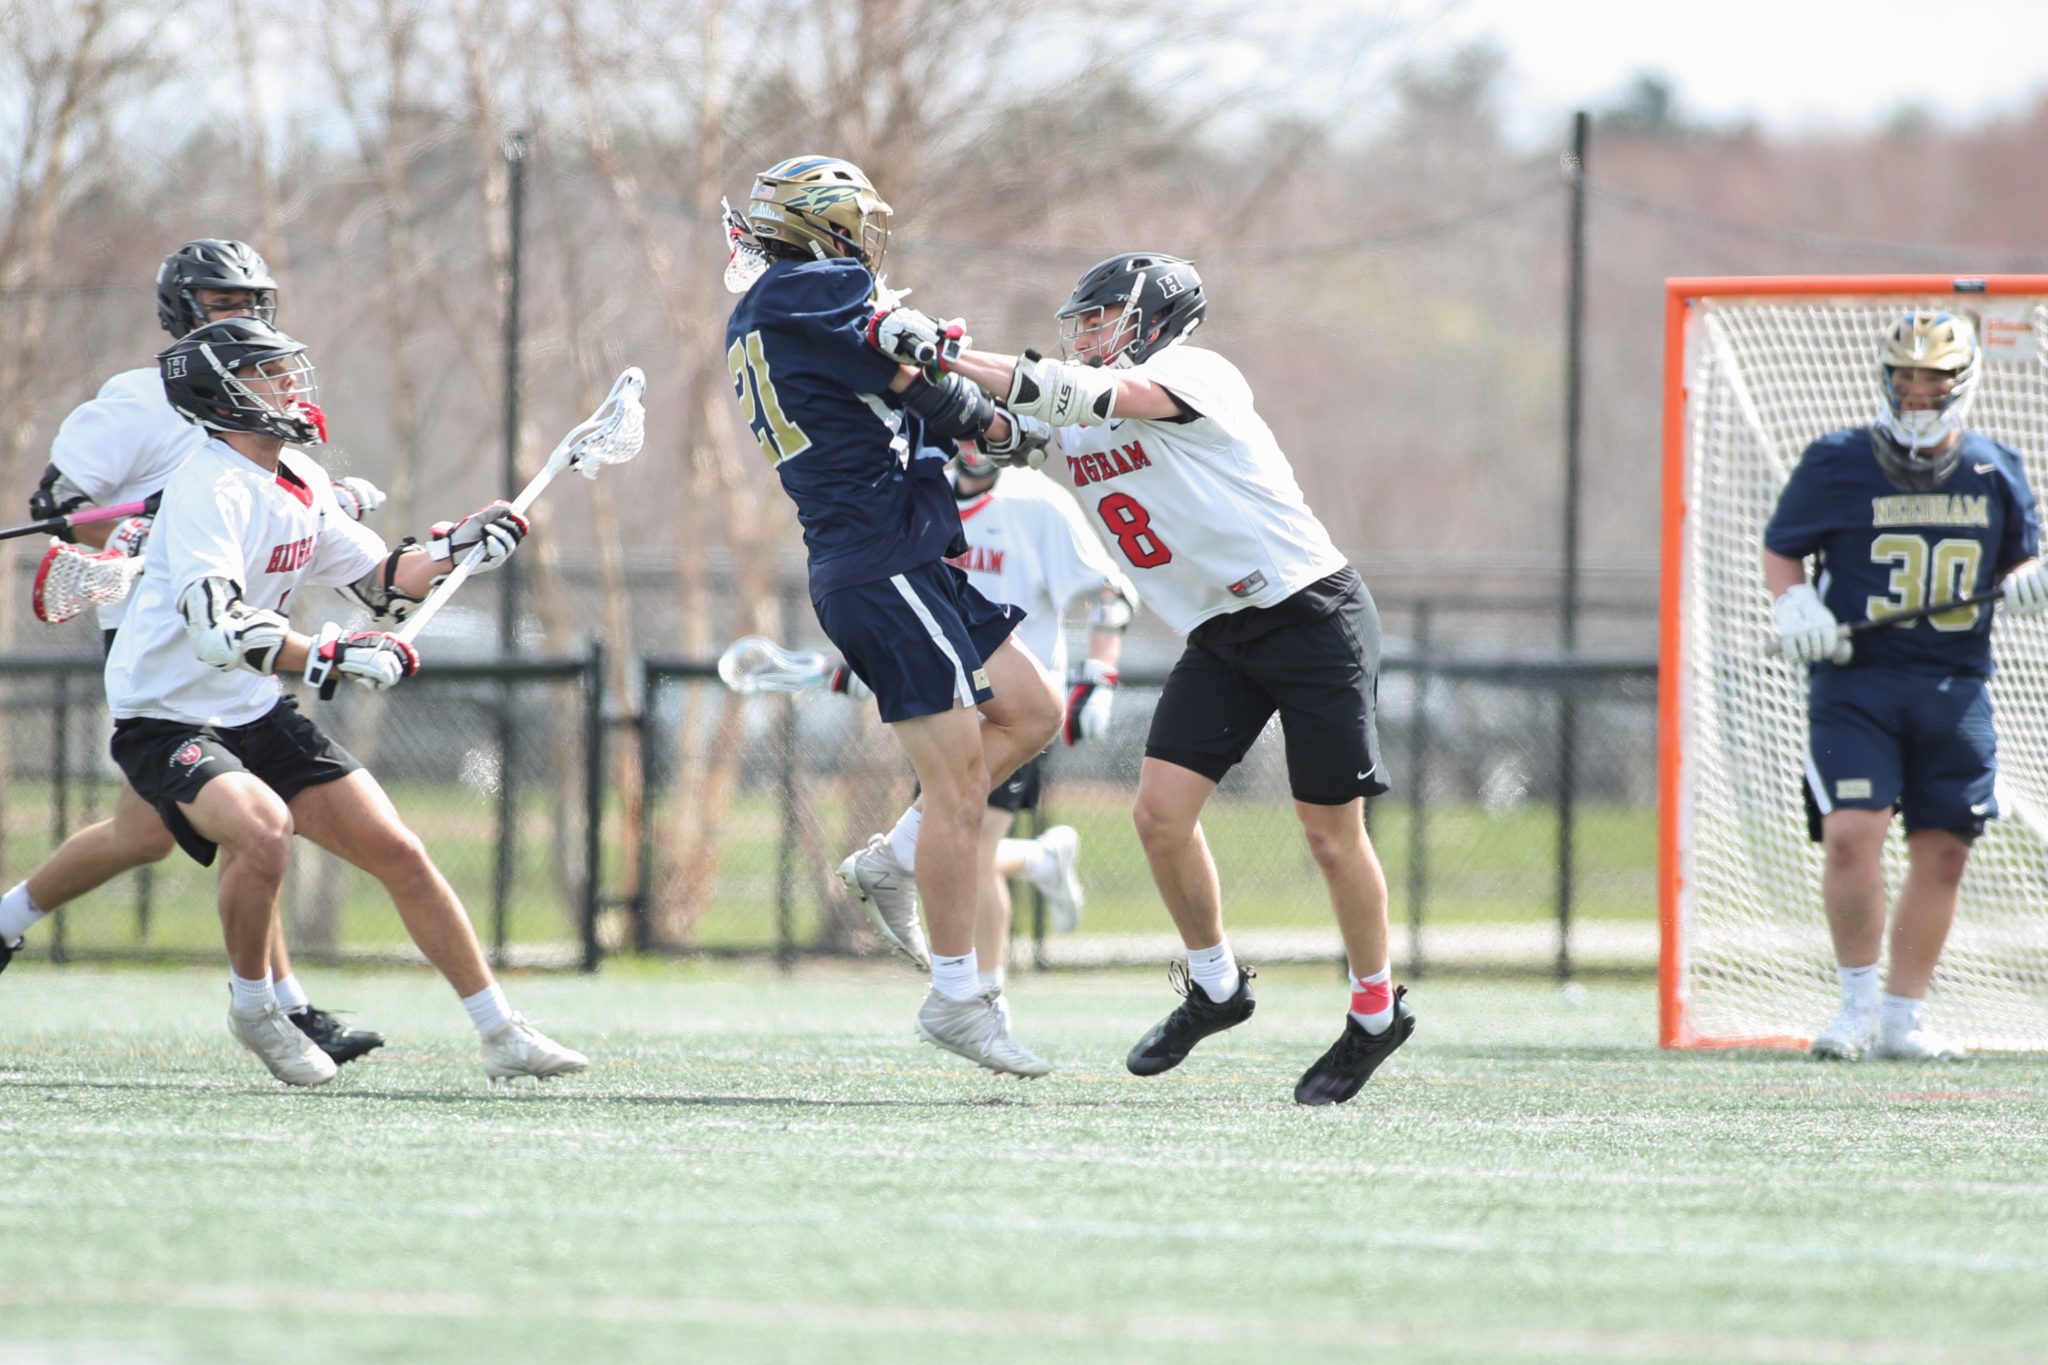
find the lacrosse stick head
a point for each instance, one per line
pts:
(71, 579)
(745, 261)
(611, 435)
(756, 663)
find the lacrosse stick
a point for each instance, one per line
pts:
(1773, 647)
(70, 579)
(611, 435)
(53, 526)
(756, 663)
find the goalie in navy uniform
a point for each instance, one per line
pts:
(203, 729)
(860, 444)
(1911, 511)
(121, 446)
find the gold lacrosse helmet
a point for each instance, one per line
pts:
(823, 207)
(1925, 339)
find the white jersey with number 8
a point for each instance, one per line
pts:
(1206, 512)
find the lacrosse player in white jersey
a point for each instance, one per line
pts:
(118, 447)
(1028, 545)
(203, 728)
(1169, 456)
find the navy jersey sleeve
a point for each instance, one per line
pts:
(1804, 514)
(2022, 538)
(828, 304)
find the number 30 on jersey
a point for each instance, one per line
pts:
(780, 438)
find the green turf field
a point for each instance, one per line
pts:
(762, 1168)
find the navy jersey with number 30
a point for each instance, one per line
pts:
(1884, 549)
(873, 501)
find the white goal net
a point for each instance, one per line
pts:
(1760, 375)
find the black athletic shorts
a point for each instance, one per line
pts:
(168, 761)
(1022, 790)
(1315, 659)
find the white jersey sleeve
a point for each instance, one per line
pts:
(123, 444)
(346, 549)
(1206, 511)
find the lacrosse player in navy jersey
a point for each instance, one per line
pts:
(122, 445)
(1911, 511)
(860, 444)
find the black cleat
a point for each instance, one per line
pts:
(336, 1039)
(1197, 1016)
(7, 952)
(1343, 1071)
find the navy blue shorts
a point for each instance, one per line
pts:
(918, 638)
(1884, 737)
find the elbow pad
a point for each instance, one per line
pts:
(227, 633)
(1112, 612)
(56, 496)
(1061, 394)
(378, 591)
(952, 409)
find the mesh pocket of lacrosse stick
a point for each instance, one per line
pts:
(756, 663)
(615, 432)
(70, 579)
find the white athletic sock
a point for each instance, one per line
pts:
(957, 978)
(488, 1009)
(987, 979)
(1901, 1015)
(1214, 970)
(1372, 999)
(250, 997)
(19, 913)
(290, 994)
(903, 838)
(1039, 863)
(1860, 986)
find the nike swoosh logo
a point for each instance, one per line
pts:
(1983, 468)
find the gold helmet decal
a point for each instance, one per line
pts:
(822, 206)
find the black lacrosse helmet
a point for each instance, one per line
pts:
(201, 383)
(210, 263)
(1160, 298)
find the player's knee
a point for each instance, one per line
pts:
(1158, 824)
(1332, 846)
(395, 853)
(261, 839)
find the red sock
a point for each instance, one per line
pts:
(1372, 999)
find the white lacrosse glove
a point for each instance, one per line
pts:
(1023, 447)
(847, 682)
(357, 497)
(908, 336)
(2026, 591)
(129, 537)
(374, 659)
(1089, 699)
(496, 527)
(1807, 631)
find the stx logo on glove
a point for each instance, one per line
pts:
(1088, 469)
(291, 558)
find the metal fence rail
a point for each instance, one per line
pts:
(1519, 835)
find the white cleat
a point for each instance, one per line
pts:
(291, 1056)
(977, 1028)
(1849, 1038)
(520, 1049)
(1915, 1042)
(888, 891)
(1062, 886)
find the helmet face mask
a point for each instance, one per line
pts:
(1922, 416)
(243, 375)
(820, 206)
(1130, 307)
(211, 263)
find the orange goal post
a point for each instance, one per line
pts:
(1754, 370)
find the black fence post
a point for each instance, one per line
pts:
(60, 719)
(593, 802)
(1418, 786)
(785, 853)
(1568, 705)
(652, 682)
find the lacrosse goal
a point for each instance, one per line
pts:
(1755, 369)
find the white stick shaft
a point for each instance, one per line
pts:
(438, 598)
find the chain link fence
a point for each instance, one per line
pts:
(491, 764)
(1520, 834)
